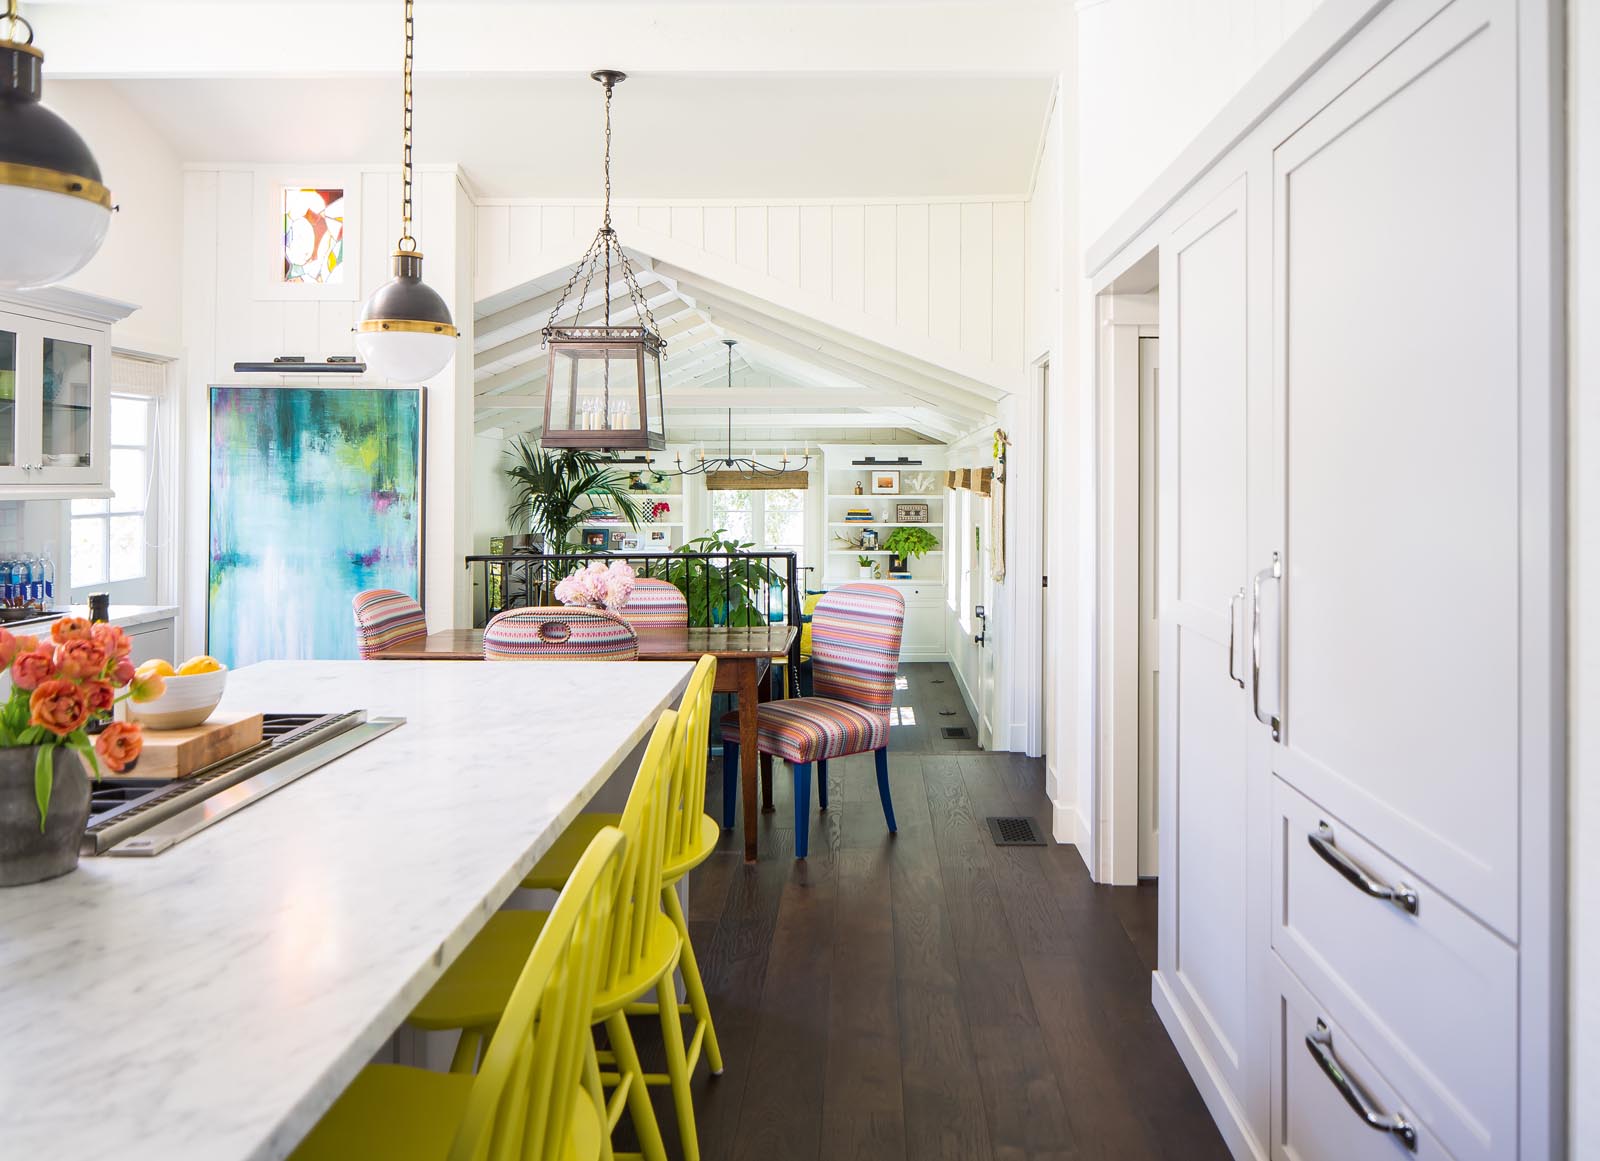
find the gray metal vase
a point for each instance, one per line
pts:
(28, 854)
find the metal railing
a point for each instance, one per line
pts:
(721, 588)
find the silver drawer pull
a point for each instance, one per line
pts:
(1400, 895)
(1273, 572)
(1319, 1042)
(1233, 602)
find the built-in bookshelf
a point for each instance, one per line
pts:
(867, 502)
(663, 516)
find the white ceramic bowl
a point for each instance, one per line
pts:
(188, 701)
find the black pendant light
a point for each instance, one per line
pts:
(747, 466)
(54, 209)
(405, 332)
(603, 387)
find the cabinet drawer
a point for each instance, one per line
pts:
(1432, 995)
(1312, 1119)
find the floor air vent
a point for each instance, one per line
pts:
(1014, 832)
(954, 732)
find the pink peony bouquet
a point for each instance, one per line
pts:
(598, 586)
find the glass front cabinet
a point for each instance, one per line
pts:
(54, 403)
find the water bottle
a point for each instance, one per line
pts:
(19, 581)
(36, 579)
(5, 582)
(49, 576)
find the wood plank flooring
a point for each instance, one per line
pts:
(930, 995)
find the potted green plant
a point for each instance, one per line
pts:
(730, 592)
(907, 544)
(865, 563)
(60, 688)
(552, 491)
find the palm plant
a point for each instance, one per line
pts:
(549, 488)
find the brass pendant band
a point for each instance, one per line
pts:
(54, 181)
(405, 326)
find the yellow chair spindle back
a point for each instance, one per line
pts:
(687, 798)
(644, 823)
(522, 1098)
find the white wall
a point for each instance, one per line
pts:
(231, 313)
(1583, 774)
(141, 259)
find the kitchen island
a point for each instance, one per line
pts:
(210, 1003)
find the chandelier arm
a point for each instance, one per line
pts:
(584, 267)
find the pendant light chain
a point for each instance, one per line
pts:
(14, 20)
(407, 242)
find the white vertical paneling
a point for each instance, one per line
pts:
(493, 244)
(376, 240)
(524, 235)
(301, 332)
(849, 256)
(750, 237)
(911, 268)
(1010, 280)
(879, 262)
(944, 274)
(656, 219)
(783, 244)
(334, 320)
(200, 306)
(558, 227)
(235, 284)
(816, 250)
(688, 225)
(977, 283)
(719, 231)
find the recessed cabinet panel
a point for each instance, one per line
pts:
(1396, 211)
(9, 424)
(66, 433)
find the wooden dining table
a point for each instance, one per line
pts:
(744, 668)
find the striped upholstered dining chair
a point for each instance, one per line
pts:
(386, 618)
(656, 604)
(855, 653)
(559, 633)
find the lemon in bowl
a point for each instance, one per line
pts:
(192, 692)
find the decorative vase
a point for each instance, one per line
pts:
(868, 572)
(28, 854)
(858, 488)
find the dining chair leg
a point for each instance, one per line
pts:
(699, 1006)
(651, 1146)
(597, 1093)
(730, 782)
(882, 757)
(678, 1066)
(802, 808)
(822, 785)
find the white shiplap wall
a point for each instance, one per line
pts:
(227, 317)
(941, 280)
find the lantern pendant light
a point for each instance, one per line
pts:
(603, 384)
(405, 332)
(53, 207)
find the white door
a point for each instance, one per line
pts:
(1213, 906)
(1149, 642)
(1047, 679)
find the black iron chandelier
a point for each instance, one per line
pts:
(603, 386)
(745, 466)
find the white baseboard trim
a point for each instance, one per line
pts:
(1064, 824)
(1051, 782)
(966, 694)
(1229, 1118)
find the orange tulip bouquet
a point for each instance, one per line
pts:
(62, 692)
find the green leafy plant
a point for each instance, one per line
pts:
(730, 592)
(864, 561)
(549, 489)
(911, 542)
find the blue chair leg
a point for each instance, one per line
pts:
(730, 782)
(882, 757)
(802, 808)
(822, 785)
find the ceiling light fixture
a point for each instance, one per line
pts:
(405, 332)
(55, 208)
(746, 466)
(603, 384)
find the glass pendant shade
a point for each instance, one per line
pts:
(604, 390)
(54, 208)
(405, 332)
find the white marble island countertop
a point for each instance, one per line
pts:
(210, 1003)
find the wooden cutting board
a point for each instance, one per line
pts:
(179, 753)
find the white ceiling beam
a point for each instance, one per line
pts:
(532, 313)
(527, 346)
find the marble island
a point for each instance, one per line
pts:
(210, 1003)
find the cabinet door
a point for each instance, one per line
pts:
(11, 461)
(1398, 429)
(73, 400)
(1212, 905)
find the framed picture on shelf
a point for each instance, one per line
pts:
(628, 544)
(596, 538)
(885, 481)
(910, 513)
(657, 538)
(620, 537)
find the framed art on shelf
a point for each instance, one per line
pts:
(915, 513)
(629, 544)
(885, 482)
(596, 538)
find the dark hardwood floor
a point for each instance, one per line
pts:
(930, 995)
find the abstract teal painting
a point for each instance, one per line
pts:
(316, 494)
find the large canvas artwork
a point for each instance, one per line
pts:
(316, 494)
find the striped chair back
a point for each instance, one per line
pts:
(385, 618)
(560, 633)
(656, 604)
(686, 797)
(644, 822)
(855, 644)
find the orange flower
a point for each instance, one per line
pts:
(119, 745)
(71, 629)
(80, 659)
(33, 668)
(58, 706)
(122, 672)
(8, 649)
(112, 639)
(26, 644)
(148, 686)
(101, 696)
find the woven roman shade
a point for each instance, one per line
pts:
(735, 482)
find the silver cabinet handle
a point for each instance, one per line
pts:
(1319, 1042)
(1273, 571)
(1400, 895)
(1233, 602)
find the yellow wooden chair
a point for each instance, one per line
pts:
(538, 1092)
(641, 956)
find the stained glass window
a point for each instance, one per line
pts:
(313, 236)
